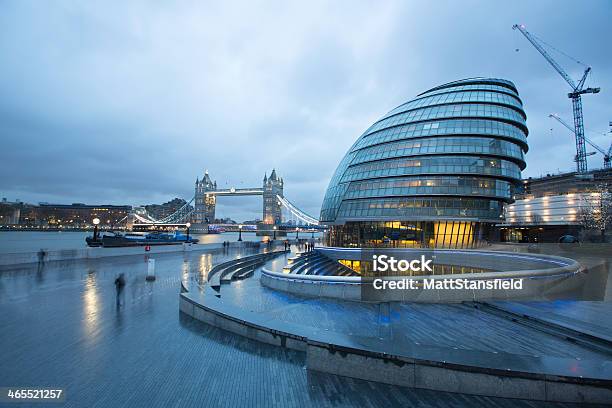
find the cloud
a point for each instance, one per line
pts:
(127, 103)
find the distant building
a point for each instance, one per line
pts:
(566, 183)
(9, 212)
(27, 215)
(80, 215)
(160, 211)
(252, 222)
(549, 207)
(226, 220)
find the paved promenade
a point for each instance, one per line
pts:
(457, 326)
(61, 327)
(473, 337)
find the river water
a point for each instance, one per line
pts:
(33, 241)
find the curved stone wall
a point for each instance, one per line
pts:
(544, 276)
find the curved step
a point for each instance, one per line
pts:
(318, 267)
(246, 273)
(298, 263)
(228, 274)
(219, 274)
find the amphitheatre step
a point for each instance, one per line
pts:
(223, 273)
(233, 273)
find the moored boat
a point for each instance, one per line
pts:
(115, 240)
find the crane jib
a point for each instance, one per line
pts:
(575, 96)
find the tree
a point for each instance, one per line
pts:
(596, 209)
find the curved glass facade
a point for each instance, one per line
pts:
(433, 172)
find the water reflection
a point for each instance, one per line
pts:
(185, 271)
(91, 304)
(204, 268)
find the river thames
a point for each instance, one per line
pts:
(33, 241)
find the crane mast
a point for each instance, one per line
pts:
(575, 96)
(610, 148)
(606, 154)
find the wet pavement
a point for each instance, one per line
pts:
(62, 327)
(455, 326)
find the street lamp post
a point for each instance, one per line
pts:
(95, 221)
(274, 236)
(188, 226)
(297, 234)
(240, 232)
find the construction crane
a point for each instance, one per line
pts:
(606, 154)
(577, 90)
(610, 148)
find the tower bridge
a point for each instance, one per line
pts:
(200, 209)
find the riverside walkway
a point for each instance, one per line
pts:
(62, 327)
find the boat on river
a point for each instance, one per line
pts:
(116, 240)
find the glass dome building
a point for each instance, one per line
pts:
(433, 172)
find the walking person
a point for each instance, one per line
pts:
(119, 285)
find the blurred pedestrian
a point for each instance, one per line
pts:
(119, 285)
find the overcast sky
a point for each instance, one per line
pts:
(129, 102)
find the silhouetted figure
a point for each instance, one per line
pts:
(119, 285)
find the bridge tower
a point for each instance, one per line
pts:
(204, 212)
(272, 211)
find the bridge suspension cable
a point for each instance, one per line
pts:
(147, 220)
(299, 214)
(183, 214)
